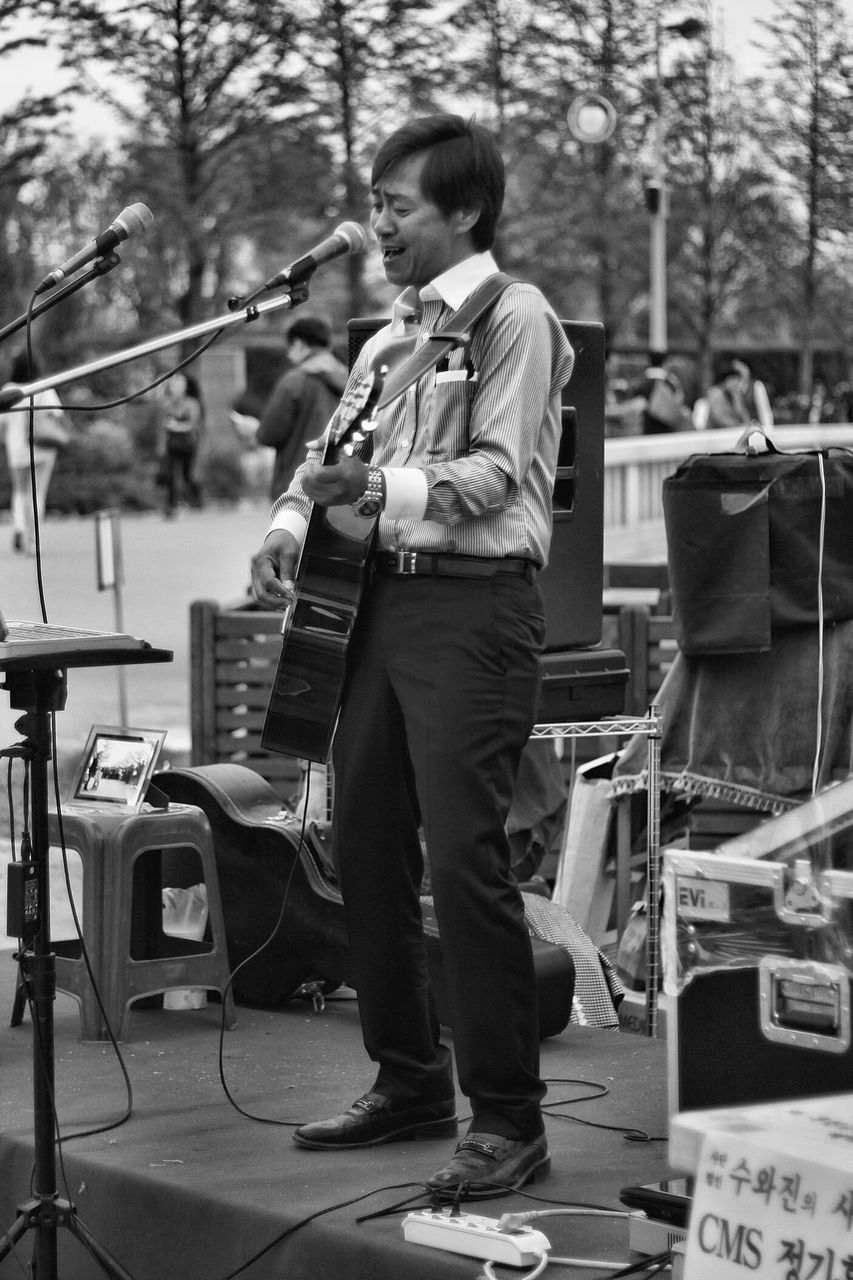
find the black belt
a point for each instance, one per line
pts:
(444, 565)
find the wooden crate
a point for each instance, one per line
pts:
(233, 658)
(234, 652)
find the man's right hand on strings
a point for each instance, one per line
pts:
(274, 570)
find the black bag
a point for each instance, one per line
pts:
(666, 406)
(757, 541)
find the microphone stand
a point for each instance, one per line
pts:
(99, 268)
(13, 392)
(38, 688)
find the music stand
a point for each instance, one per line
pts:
(37, 686)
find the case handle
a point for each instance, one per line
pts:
(755, 428)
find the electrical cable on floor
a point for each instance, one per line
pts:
(84, 955)
(590, 1264)
(630, 1134)
(649, 1266)
(489, 1274)
(509, 1221)
(820, 623)
(254, 955)
(319, 1213)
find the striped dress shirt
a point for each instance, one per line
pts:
(470, 453)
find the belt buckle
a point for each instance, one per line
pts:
(406, 561)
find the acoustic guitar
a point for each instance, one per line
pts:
(305, 699)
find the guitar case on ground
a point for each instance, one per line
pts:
(262, 863)
(555, 978)
(278, 891)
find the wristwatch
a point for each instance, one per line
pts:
(372, 500)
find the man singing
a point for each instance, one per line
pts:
(443, 671)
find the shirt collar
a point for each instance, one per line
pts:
(452, 286)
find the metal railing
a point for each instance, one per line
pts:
(636, 466)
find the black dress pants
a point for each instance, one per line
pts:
(440, 700)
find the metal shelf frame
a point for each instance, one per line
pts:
(628, 726)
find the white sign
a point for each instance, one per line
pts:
(760, 1210)
(701, 899)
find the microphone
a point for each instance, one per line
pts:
(349, 237)
(135, 218)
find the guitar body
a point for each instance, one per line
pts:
(303, 708)
(262, 863)
(302, 713)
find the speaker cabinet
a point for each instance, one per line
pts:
(573, 581)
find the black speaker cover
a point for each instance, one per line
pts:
(573, 581)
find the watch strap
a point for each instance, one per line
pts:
(372, 501)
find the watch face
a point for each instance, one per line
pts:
(368, 505)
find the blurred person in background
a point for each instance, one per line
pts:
(183, 427)
(50, 434)
(304, 398)
(727, 406)
(665, 407)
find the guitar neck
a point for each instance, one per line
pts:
(330, 791)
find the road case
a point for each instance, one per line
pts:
(757, 957)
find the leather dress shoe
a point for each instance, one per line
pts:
(486, 1165)
(373, 1119)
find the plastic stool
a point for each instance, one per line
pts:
(122, 856)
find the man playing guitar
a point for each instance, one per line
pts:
(442, 669)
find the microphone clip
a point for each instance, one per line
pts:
(298, 294)
(101, 266)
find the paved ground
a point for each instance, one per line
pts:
(167, 565)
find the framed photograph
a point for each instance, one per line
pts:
(116, 765)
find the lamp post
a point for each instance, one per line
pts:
(591, 117)
(657, 195)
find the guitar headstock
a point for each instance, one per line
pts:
(356, 415)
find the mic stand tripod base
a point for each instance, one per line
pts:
(40, 691)
(46, 1215)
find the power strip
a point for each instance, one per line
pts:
(475, 1236)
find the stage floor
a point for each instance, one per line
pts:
(203, 1182)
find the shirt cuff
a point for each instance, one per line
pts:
(292, 522)
(405, 493)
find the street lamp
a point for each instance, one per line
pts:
(591, 118)
(657, 195)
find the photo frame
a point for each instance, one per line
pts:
(116, 766)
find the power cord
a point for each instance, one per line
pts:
(312, 1217)
(820, 625)
(647, 1266)
(84, 955)
(291, 1124)
(24, 990)
(630, 1133)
